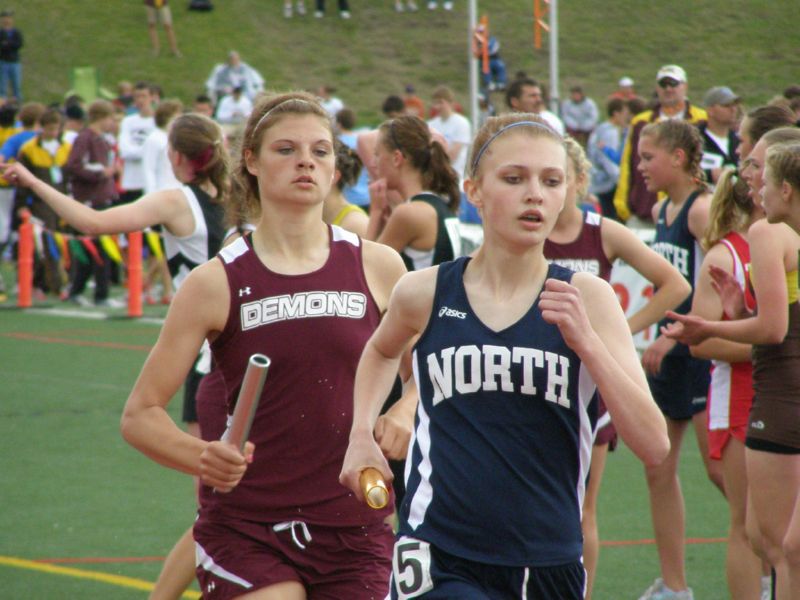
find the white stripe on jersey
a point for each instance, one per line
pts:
(586, 391)
(234, 250)
(202, 559)
(342, 235)
(423, 495)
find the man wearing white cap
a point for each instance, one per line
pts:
(632, 198)
(625, 89)
(719, 134)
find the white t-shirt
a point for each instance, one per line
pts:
(158, 174)
(456, 130)
(133, 131)
(333, 105)
(232, 111)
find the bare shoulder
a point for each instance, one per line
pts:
(383, 268)
(413, 295)
(719, 256)
(205, 295)
(589, 285)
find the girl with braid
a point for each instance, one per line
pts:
(670, 153)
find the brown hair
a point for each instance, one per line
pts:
(166, 110)
(766, 118)
(495, 126)
(580, 164)
(731, 206)
(412, 137)
(199, 139)
(348, 164)
(30, 113)
(50, 117)
(99, 110)
(674, 134)
(269, 109)
(443, 92)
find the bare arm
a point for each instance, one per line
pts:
(153, 209)
(597, 331)
(770, 324)
(706, 303)
(671, 287)
(408, 312)
(145, 424)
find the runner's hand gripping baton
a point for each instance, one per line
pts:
(374, 488)
(247, 402)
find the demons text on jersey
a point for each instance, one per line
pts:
(303, 305)
(470, 369)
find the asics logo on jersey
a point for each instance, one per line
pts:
(304, 305)
(758, 425)
(472, 369)
(244, 291)
(451, 312)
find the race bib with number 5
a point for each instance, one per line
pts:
(411, 566)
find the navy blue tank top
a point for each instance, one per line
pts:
(503, 435)
(677, 244)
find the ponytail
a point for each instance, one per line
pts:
(731, 207)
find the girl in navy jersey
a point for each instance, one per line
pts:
(307, 295)
(507, 361)
(415, 168)
(585, 241)
(772, 453)
(670, 154)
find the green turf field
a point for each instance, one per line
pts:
(85, 516)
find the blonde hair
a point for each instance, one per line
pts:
(269, 110)
(580, 164)
(496, 126)
(731, 207)
(674, 134)
(783, 161)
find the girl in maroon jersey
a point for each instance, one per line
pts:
(308, 295)
(585, 241)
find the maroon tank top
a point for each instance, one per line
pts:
(313, 327)
(586, 253)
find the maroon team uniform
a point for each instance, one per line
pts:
(290, 518)
(585, 254)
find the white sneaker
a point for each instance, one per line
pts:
(432, 5)
(412, 6)
(301, 9)
(398, 6)
(448, 6)
(319, 14)
(110, 303)
(287, 11)
(659, 591)
(345, 14)
(766, 588)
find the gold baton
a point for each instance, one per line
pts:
(374, 488)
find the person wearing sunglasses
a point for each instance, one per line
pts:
(632, 200)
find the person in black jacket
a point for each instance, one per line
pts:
(10, 67)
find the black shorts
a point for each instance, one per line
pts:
(190, 386)
(420, 570)
(681, 387)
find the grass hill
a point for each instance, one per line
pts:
(750, 45)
